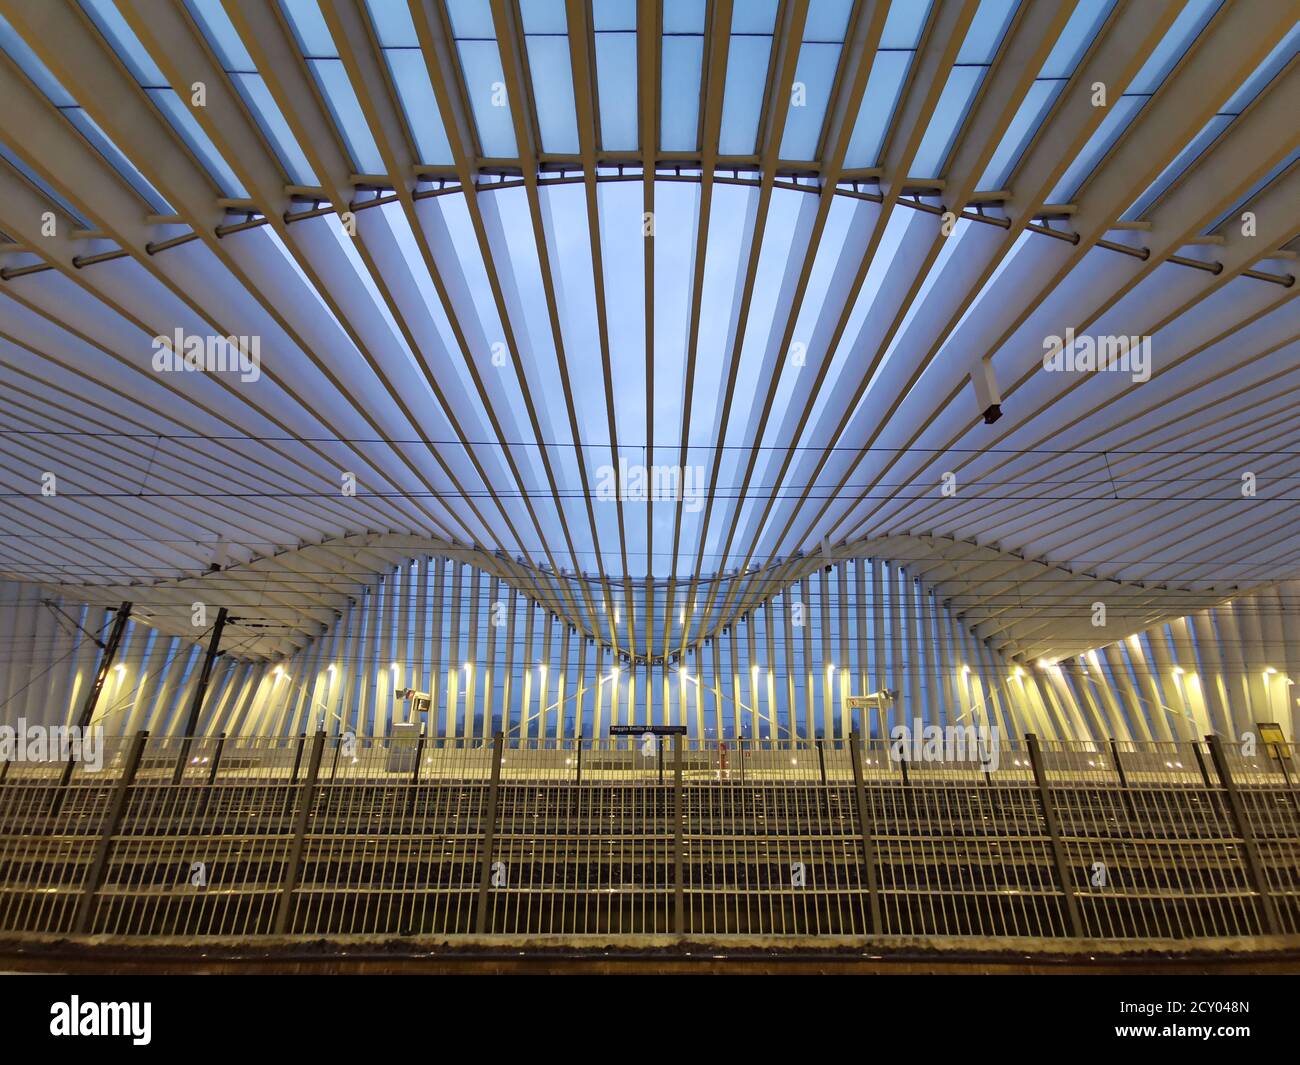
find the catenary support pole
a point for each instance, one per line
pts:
(91, 701)
(105, 664)
(200, 690)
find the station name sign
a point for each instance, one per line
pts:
(641, 730)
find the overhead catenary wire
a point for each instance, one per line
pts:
(631, 449)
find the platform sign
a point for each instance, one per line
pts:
(1271, 735)
(653, 730)
(863, 702)
(879, 701)
(403, 747)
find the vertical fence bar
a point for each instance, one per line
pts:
(1281, 764)
(864, 830)
(216, 759)
(1123, 779)
(86, 907)
(1054, 832)
(293, 865)
(297, 758)
(489, 834)
(419, 759)
(1200, 761)
(1242, 823)
(679, 841)
(212, 775)
(415, 774)
(1119, 766)
(826, 794)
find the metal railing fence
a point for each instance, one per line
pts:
(403, 835)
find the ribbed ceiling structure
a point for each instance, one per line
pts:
(788, 251)
(1022, 609)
